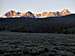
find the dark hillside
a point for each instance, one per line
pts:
(45, 25)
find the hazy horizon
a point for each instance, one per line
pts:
(36, 5)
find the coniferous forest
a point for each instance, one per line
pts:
(62, 24)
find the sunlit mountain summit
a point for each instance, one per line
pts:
(13, 13)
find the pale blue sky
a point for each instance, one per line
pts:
(36, 5)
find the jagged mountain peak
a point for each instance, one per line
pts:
(12, 13)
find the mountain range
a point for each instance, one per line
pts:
(13, 13)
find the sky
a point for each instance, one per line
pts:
(36, 5)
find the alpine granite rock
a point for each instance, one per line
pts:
(13, 13)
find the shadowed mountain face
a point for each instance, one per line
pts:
(61, 24)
